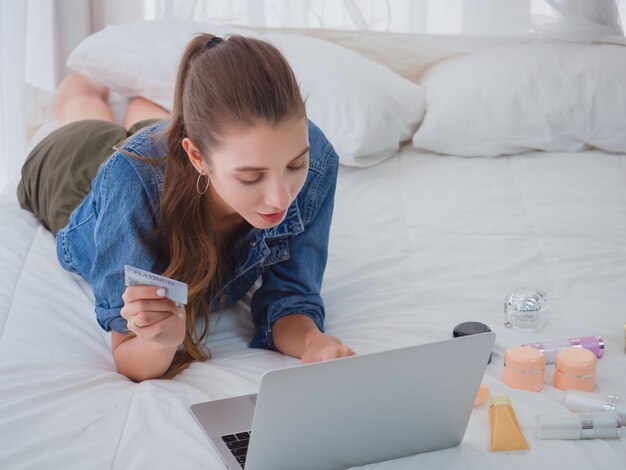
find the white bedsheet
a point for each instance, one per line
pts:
(418, 244)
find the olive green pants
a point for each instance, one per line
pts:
(58, 172)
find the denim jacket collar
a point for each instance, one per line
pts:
(292, 225)
(257, 241)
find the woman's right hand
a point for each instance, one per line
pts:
(152, 317)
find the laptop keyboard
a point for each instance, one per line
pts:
(238, 445)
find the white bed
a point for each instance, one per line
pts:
(419, 243)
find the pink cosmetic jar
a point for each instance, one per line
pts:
(524, 368)
(575, 369)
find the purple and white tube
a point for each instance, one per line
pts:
(595, 344)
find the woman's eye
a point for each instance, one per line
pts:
(250, 182)
(299, 167)
(290, 168)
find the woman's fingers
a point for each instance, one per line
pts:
(144, 319)
(152, 331)
(156, 329)
(151, 316)
(144, 306)
(137, 292)
(337, 352)
(147, 305)
(327, 353)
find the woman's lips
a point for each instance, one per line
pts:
(273, 218)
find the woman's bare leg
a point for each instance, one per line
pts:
(80, 98)
(140, 109)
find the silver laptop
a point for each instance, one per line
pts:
(351, 411)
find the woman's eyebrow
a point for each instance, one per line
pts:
(255, 168)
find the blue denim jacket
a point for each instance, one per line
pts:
(108, 230)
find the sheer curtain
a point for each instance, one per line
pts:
(476, 17)
(38, 35)
(36, 38)
(12, 120)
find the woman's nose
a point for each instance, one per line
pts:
(277, 195)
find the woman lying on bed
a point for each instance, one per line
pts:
(237, 185)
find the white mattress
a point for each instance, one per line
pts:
(418, 244)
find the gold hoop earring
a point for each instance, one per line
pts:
(198, 184)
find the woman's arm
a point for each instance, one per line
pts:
(123, 222)
(287, 309)
(297, 335)
(159, 329)
(138, 359)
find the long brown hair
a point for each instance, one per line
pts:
(239, 82)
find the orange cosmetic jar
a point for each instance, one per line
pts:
(575, 370)
(524, 368)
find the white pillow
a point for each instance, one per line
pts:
(364, 109)
(515, 98)
(140, 58)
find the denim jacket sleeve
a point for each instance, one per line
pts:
(293, 285)
(125, 221)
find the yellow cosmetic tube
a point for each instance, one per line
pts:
(505, 431)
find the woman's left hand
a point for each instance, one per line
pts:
(321, 347)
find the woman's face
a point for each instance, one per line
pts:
(258, 172)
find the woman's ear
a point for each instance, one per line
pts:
(194, 155)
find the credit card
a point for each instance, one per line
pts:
(174, 290)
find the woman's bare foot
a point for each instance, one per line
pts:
(140, 108)
(80, 98)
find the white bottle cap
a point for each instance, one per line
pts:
(600, 425)
(577, 400)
